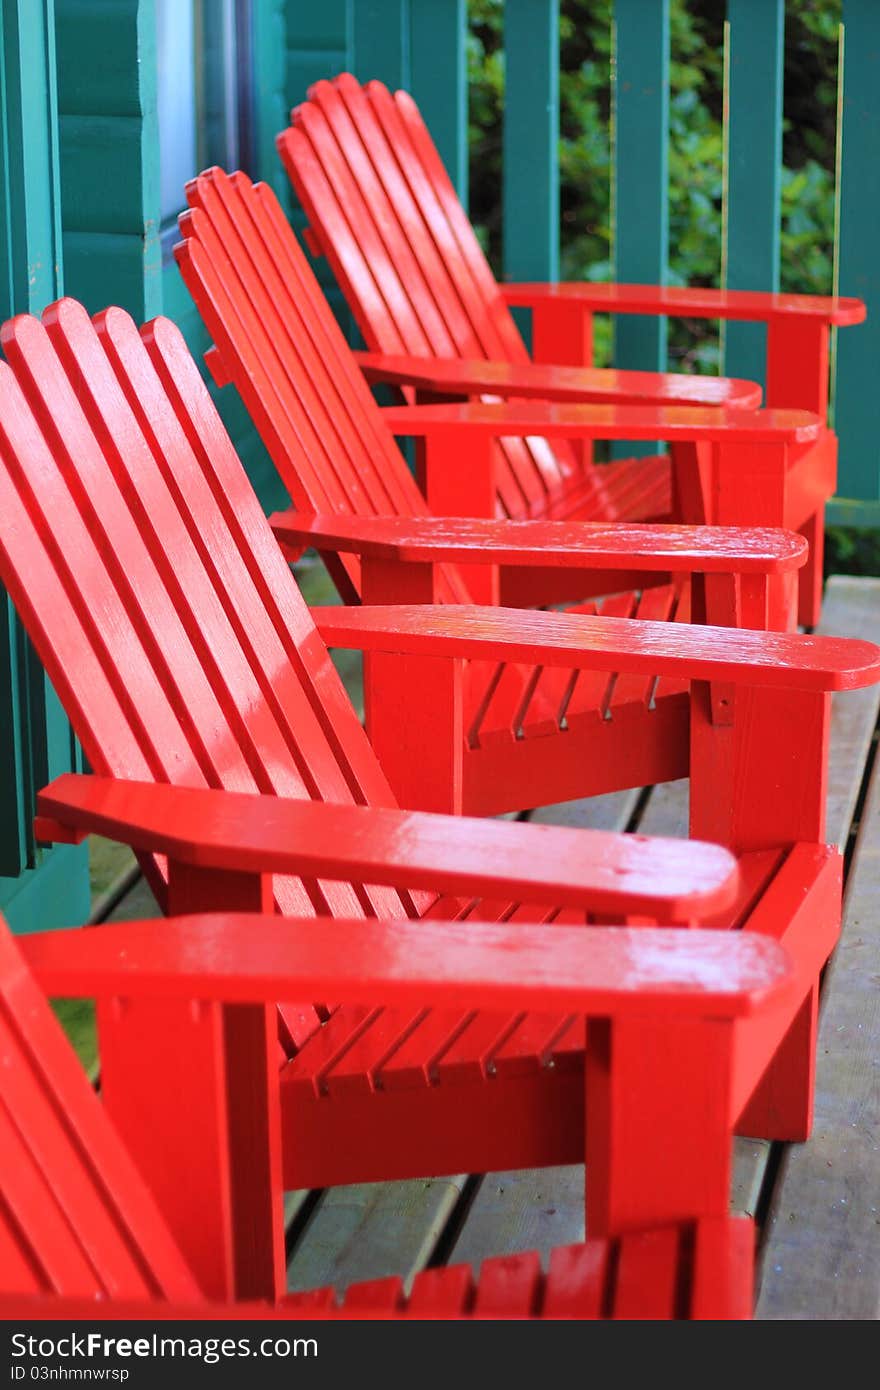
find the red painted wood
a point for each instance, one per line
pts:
(125, 518)
(279, 343)
(76, 1218)
(672, 423)
(74, 1208)
(531, 543)
(588, 385)
(628, 973)
(382, 209)
(687, 302)
(781, 660)
(586, 1282)
(597, 870)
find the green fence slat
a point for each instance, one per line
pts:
(438, 79)
(641, 178)
(754, 163)
(530, 198)
(380, 39)
(857, 398)
(641, 171)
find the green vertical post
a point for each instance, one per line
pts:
(641, 177)
(37, 888)
(754, 163)
(857, 398)
(270, 110)
(530, 198)
(107, 83)
(438, 79)
(641, 170)
(381, 41)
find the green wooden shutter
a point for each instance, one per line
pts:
(38, 888)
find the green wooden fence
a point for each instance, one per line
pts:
(80, 206)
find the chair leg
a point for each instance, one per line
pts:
(658, 1122)
(414, 719)
(782, 1105)
(193, 1089)
(810, 578)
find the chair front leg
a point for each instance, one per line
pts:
(658, 1122)
(193, 1089)
(415, 721)
(747, 486)
(759, 766)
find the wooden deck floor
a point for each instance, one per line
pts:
(818, 1204)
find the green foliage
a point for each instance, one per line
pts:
(696, 145)
(852, 550)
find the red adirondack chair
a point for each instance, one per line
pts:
(383, 211)
(149, 580)
(81, 1232)
(512, 730)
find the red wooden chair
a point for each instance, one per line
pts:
(276, 339)
(383, 211)
(82, 1233)
(149, 580)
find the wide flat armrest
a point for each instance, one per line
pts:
(459, 376)
(674, 880)
(684, 302)
(580, 544)
(674, 424)
(247, 958)
(695, 652)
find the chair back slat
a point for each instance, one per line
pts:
(124, 491)
(389, 221)
(76, 1217)
(286, 355)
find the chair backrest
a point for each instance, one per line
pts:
(76, 1218)
(152, 587)
(281, 346)
(383, 210)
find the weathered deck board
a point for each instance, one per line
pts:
(822, 1248)
(529, 1209)
(372, 1230)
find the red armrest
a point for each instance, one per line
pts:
(673, 880)
(457, 376)
(674, 424)
(244, 958)
(698, 652)
(574, 545)
(685, 302)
